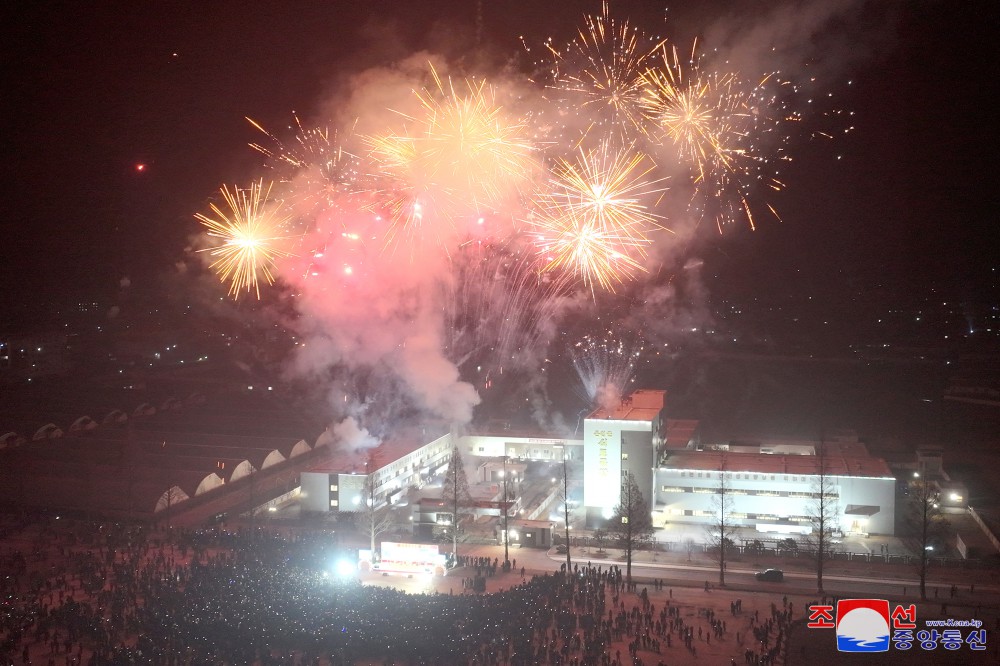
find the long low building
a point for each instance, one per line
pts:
(776, 492)
(771, 484)
(406, 461)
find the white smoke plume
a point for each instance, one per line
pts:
(382, 304)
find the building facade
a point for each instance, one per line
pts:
(619, 440)
(771, 485)
(777, 493)
(338, 483)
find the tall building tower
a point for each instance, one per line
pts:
(618, 440)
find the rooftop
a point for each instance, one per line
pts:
(353, 461)
(838, 463)
(641, 405)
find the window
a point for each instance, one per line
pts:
(333, 487)
(624, 456)
(671, 489)
(482, 449)
(334, 503)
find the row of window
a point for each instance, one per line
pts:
(793, 478)
(397, 468)
(533, 453)
(747, 491)
(770, 517)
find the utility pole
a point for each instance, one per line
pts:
(506, 533)
(569, 563)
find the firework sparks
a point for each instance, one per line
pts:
(317, 169)
(605, 366)
(603, 68)
(502, 304)
(463, 153)
(594, 220)
(716, 122)
(249, 231)
(695, 110)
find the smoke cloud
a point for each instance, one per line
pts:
(411, 270)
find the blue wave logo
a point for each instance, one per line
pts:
(849, 644)
(863, 629)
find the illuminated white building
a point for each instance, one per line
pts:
(777, 492)
(771, 485)
(403, 462)
(617, 440)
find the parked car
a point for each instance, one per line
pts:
(771, 575)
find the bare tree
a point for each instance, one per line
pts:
(722, 529)
(455, 492)
(373, 518)
(631, 520)
(599, 537)
(689, 546)
(925, 512)
(824, 515)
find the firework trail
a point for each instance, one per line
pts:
(605, 366)
(503, 306)
(250, 231)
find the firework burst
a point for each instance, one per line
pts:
(717, 123)
(250, 235)
(594, 220)
(605, 366)
(316, 169)
(601, 72)
(462, 154)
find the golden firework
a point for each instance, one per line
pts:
(461, 153)
(603, 68)
(249, 231)
(595, 217)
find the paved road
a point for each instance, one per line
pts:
(861, 582)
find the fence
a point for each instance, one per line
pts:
(682, 547)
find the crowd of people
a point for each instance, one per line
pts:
(116, 594)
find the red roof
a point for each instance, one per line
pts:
(838, 463)
(642, 405)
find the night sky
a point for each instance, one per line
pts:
(95, 89)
